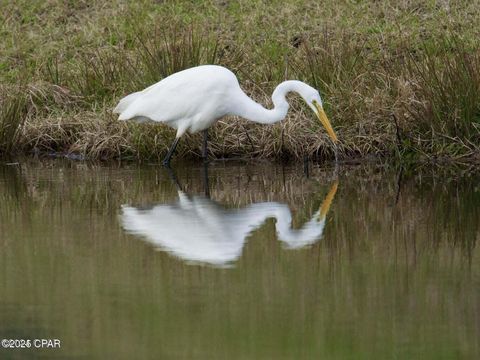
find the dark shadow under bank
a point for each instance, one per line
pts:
(469, 164)
(440, 168)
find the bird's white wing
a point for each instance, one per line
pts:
(185, 94)
(161, 102)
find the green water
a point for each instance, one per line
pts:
(125, 262)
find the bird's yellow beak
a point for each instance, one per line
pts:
(324, 120)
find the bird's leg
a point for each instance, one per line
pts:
(306, 169)
(166, 161)
(173, 177)
(205, 145)
(205, 180)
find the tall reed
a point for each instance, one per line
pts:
(13, 111)
(447, 85)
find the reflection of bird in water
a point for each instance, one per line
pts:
(199, 229)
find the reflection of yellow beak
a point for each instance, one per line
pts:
(325, 122)
(328, 200)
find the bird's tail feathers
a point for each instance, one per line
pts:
(126, 102)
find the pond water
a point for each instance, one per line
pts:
(240, 261)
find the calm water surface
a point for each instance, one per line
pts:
(243, 262)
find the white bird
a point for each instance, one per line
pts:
(194, 99)
(200, 230)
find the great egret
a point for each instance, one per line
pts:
(199, 229)
(194, 99)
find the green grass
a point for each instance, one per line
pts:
(417, 62)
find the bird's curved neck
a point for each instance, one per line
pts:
(253, 111)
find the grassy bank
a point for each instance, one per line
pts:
(399, 78)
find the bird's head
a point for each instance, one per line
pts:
(314, 101)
